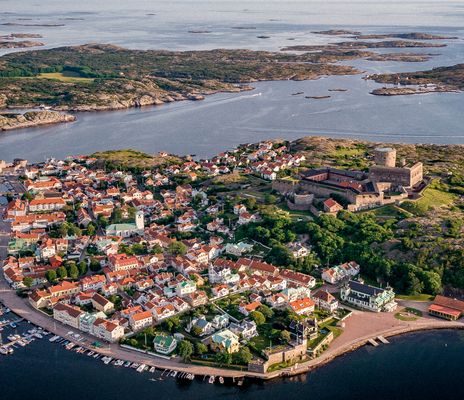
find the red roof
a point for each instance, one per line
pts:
(445, 310)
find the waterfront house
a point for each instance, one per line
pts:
(66, 314)
(140, 320)
(245, 329)
(164, 344)
(368, 297)
(107, 330)
(224, 341)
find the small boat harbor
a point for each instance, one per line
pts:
(14, 334)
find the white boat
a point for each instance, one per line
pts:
(54, 338)
(152, 370)
(141, 368)
(90, 353)
(221, 380)
(127, 364)
(211, 379)
(38, 335)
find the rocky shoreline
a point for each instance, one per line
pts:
(10, 121)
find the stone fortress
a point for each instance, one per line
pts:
(384, 183)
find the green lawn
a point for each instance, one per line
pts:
(436, 198)
(66, 76)
(415, 297)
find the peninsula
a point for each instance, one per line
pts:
(255, 259)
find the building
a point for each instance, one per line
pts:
(368, 297)
(127, 229)
(123, 262)
(100, 303)
(107, 330)
(325, 301)
(302, 306)
(164, 344)
(140, 320)
(447, 308)
(224, 341)
(68, 315)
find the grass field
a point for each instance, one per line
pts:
(436, 198)
(66, 76)
(415, 297)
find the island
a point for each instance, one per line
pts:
(8, 44)
(105, 77)
(441, 79)
(10, 121)
(262, 261)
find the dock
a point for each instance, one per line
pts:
(383, 340)
(373, 342)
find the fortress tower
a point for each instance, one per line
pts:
(385, 156)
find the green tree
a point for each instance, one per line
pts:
(61, 272)
(285, 336)
(243, 356)
(177, 248)
(82, 266)
(95, 265)
(51, 276)
(185, 349)
(266, 311)
(201, 348)
(73, 271)
(91, 229)
(28, 281)
(258, 317)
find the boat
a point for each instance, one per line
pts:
(221, 380)
(135, 365)
(3, 351)
(211, 379)
(38, 335)
(240, 382)
(13, 325)
(174, 374)
(191, 377)
(297, 93)
(141, 368)
(90, 353)
(152, 370)
(127, 364)
(53, 338)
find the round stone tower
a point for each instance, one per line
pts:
(385, 156)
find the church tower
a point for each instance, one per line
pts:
(139, 220)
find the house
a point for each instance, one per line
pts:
(447, 308)
(298, 278)
(220, 321)
(246, 329)
(332, 207)
(164, 344)
(246, 309)
(224, 341)
(66, 314)
(107, 330)
(341, 272)
(368, 297)
(93, 282)
(197, 298)
(305, 328)
(325, 301)
(102, 304)
(46, 204)
(302, 306)
(201, 326)
(185, 287)
(140, 320)
(164, 312)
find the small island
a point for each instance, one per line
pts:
(10, 121)
(442, 79)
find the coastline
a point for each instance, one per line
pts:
(22, 308)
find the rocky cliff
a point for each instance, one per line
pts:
(9, 121)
